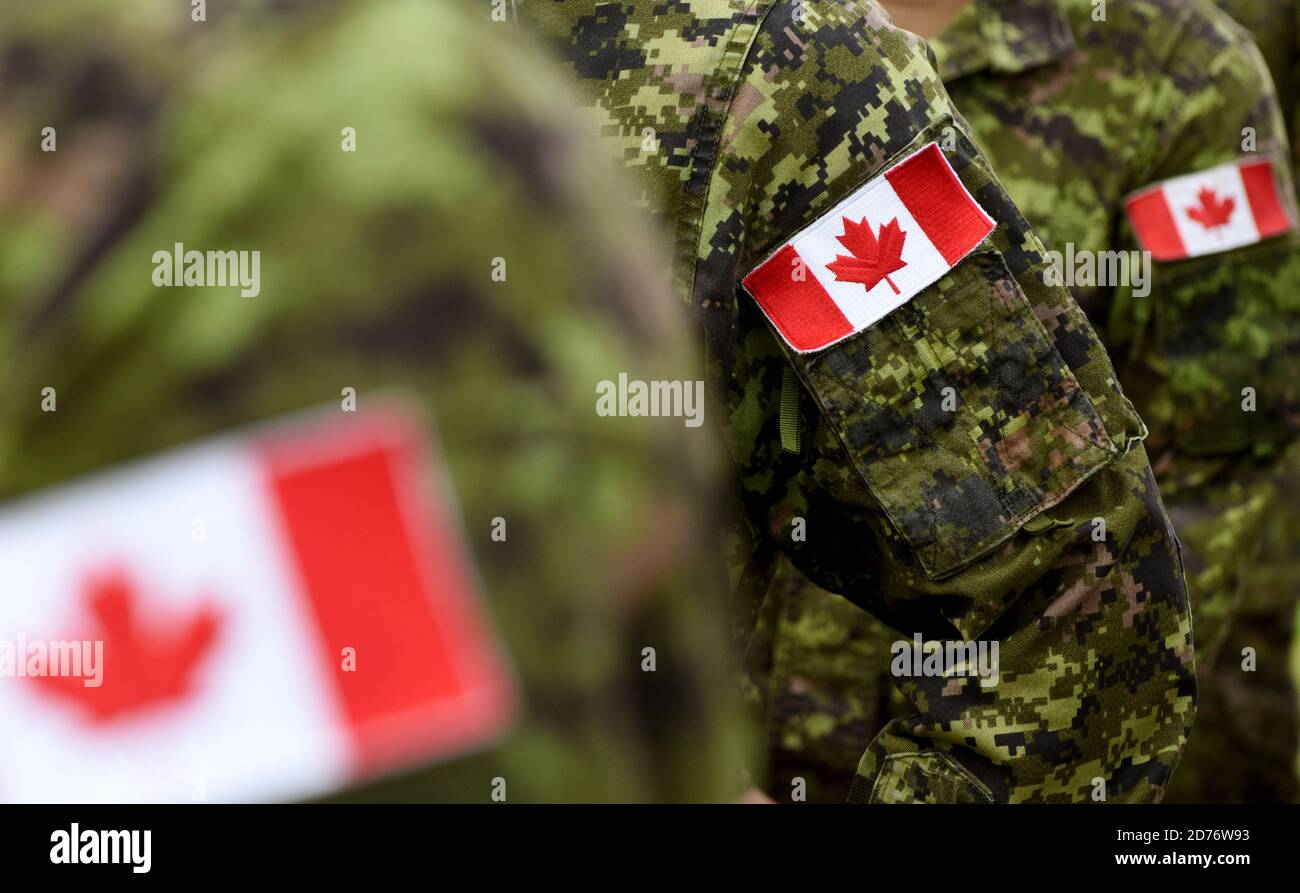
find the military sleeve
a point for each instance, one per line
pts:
(463, 257)
(1211, 345)
(967, 467)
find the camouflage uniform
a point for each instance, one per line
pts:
(743, 123)
(1240, 762)
(377, 275)
(1075, 115)
(1275, 26)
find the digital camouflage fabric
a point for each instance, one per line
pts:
(377, 275)
(825, 690)
(743, 123)
(1075, 114)
(1253, 715)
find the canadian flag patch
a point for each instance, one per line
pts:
(1215, 210)
(871, 253)
(262, 616)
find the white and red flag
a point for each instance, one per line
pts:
(1214, 210)
(281, 613)
(871, 253)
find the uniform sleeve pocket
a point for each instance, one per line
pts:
(927, 777)
(960, 414)
(1222, 371)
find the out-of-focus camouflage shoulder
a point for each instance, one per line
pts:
(1195, 78)
(147, 108)
(1275, 26)
(430, 219)
(1161, 24)
(471, 208)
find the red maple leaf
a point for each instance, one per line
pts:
(144, 664)
(1211, 212)
(873, 259)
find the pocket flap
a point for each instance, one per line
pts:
(960, 414)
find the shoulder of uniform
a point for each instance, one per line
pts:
(822, 72)
(1187, 48)
(826, 23)
(1223, 24)
(817, 44)
(1161, 33)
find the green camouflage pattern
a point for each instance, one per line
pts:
(824, 696)
(742, 124)
(1159, 89)
(1075, 114)
(1275, 27)
(1245, 703)
(377, 275)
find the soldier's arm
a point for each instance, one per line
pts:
(969, 468)
(1212, 352)
(1211, 344)
(378, 274)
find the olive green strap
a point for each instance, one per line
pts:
(1041, 523)
(790, 410)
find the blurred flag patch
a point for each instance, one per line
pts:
(282, 612)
